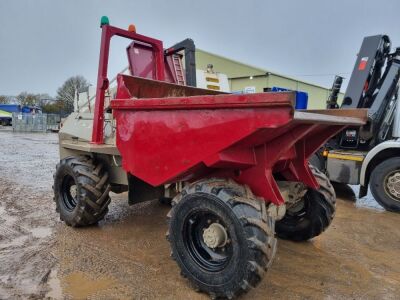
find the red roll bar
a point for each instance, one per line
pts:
(102, 81)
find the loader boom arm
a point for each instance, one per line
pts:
(374, 85)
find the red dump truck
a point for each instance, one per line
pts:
(236, 166)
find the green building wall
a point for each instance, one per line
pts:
(241, 75)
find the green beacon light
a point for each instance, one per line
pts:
(104, 21)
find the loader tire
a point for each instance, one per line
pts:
(312, 215)
(246, 249)
(81, 191)
(318, 161)
(385, 184)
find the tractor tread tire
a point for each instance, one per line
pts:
(93, 189)
(252, 214)
(319, 215)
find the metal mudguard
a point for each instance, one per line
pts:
(392, 144)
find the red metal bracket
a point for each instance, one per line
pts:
(261, 177)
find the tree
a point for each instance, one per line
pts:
(28, 99)
(4, 99)
(52, 108)
(67, 92)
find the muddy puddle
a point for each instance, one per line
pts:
(127, 257)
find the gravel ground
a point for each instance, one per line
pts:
(126, 256)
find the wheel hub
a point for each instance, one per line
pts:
(73, 191)
(215, 236)
(393, 185)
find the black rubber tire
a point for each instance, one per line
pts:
(377, 183)
(317, 213)
(318, 161)
(250, 230)
(90, 204)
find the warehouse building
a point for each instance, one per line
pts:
(243, 77)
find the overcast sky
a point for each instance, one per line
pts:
(43, 42)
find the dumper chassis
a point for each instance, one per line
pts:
(235, 166)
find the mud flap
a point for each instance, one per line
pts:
(140, 191)
(363, 191)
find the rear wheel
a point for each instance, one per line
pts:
(318, 161)
(221, 237)
(81, 191)
(310, 216)
(385, 184)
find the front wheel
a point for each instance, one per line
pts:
(221, 237)
(81, 191)
(385, 184)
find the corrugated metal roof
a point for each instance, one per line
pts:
(262, 71)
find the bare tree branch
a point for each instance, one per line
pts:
(66, 93)
(28, 99)
(4, 99)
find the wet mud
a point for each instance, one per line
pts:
(127, 256)
(27, 218)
